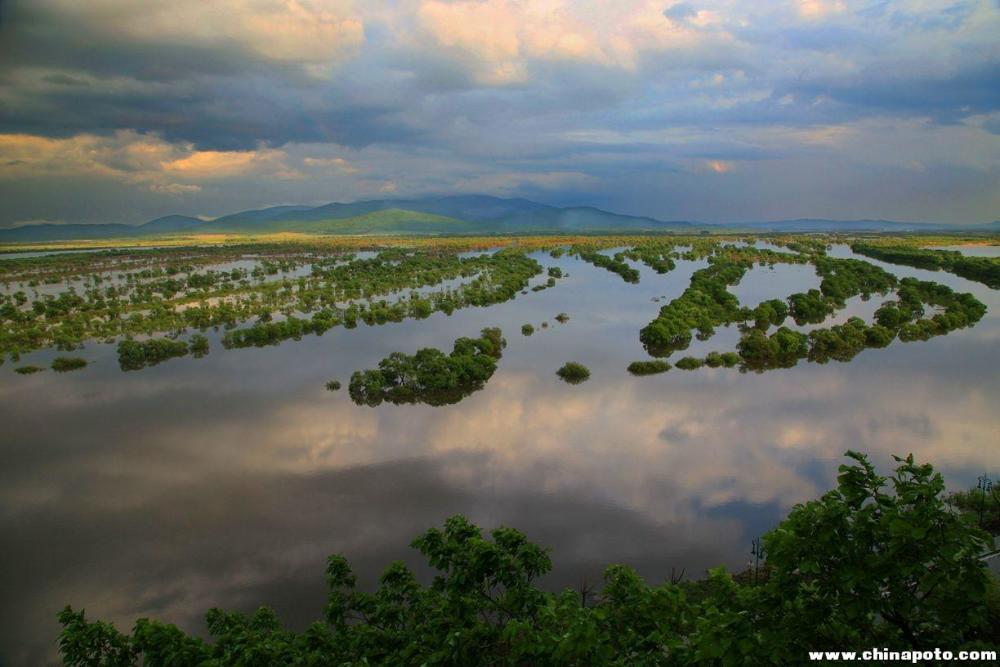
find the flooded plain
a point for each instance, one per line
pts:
(226, 481)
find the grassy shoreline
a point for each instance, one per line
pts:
(529, 239)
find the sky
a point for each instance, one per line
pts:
(705, 110)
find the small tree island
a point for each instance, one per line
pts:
(573, 372)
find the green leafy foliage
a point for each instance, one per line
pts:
(651, 367)
(714, 360)
(654, 254)
(573, 372)
(707, 303)
(689, 363)
(771, 312)
(430, 376)
(875, 562)
(810, 307)
(198, 346)
(133, 355)
(866, 566)
(66, 364)
(492, 278)
(165, 292)
(981, 269)
(980, 505)
(614, 264)
(782, 349)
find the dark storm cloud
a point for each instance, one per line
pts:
(36, 35)
(219, 96)
(946, 97)
(211, 113)
(580, 91)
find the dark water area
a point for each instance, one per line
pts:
(227, 481)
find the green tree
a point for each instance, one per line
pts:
(875, 562)
(198, 345)
(66, 364)
(573, 372)
(868, 566)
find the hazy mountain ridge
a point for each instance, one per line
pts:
(383, 220)
(468, 214)
(823, 225)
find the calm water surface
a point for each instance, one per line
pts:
(228, 480)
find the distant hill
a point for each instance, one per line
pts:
(382, 221)
(480, 213)
(461, 214)
(59, 232)
(169, 224)
(806, 225)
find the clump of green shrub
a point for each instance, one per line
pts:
(133, 354)
(333, 385)
(430, 376)
(689, 363)
(727, 359)
(28, 370)
(573, 372)
(730, 359)
(198, 345)
(66, 364)
(615, 264)
(651, 367)
(982, 269)
(527, 329)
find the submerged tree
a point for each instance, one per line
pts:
(133, 355)
(651, 367)
(430, 376)
(66, 364)
(198, 345)
(573, 372)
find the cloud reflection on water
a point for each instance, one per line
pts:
(228, 480)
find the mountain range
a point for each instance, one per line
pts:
(464, 214)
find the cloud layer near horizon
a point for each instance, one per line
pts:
(115, 111)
